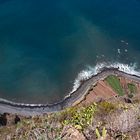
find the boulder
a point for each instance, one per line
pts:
(70, 133)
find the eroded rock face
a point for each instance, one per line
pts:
(70, 133)
(125, 121)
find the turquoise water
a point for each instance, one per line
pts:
(45, 44)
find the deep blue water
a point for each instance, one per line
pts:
(45, 44)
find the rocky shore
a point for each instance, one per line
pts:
(70, 100)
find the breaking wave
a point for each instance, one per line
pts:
(90, 71)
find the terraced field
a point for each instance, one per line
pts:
(114, 82)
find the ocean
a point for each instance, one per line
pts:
(47, 46)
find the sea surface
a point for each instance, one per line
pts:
(45, 44)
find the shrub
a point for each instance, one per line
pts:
(132, 88)
(79, 118)
(106, 107)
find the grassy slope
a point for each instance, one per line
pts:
(114, 82)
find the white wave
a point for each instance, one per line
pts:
(90, 71)
(119, 51)
(20, 104)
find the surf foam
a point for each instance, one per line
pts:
(90, 71)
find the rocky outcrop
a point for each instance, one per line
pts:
(7, 119)
(70, 133)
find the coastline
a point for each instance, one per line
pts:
(69, 100)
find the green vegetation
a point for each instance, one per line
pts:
(114, 82)
(130, 95)
(132, 87)
(104, 133)
(106, 108)
(79, 118)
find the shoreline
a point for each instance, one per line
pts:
(69, 100)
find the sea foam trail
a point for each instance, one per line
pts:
(90, 71)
